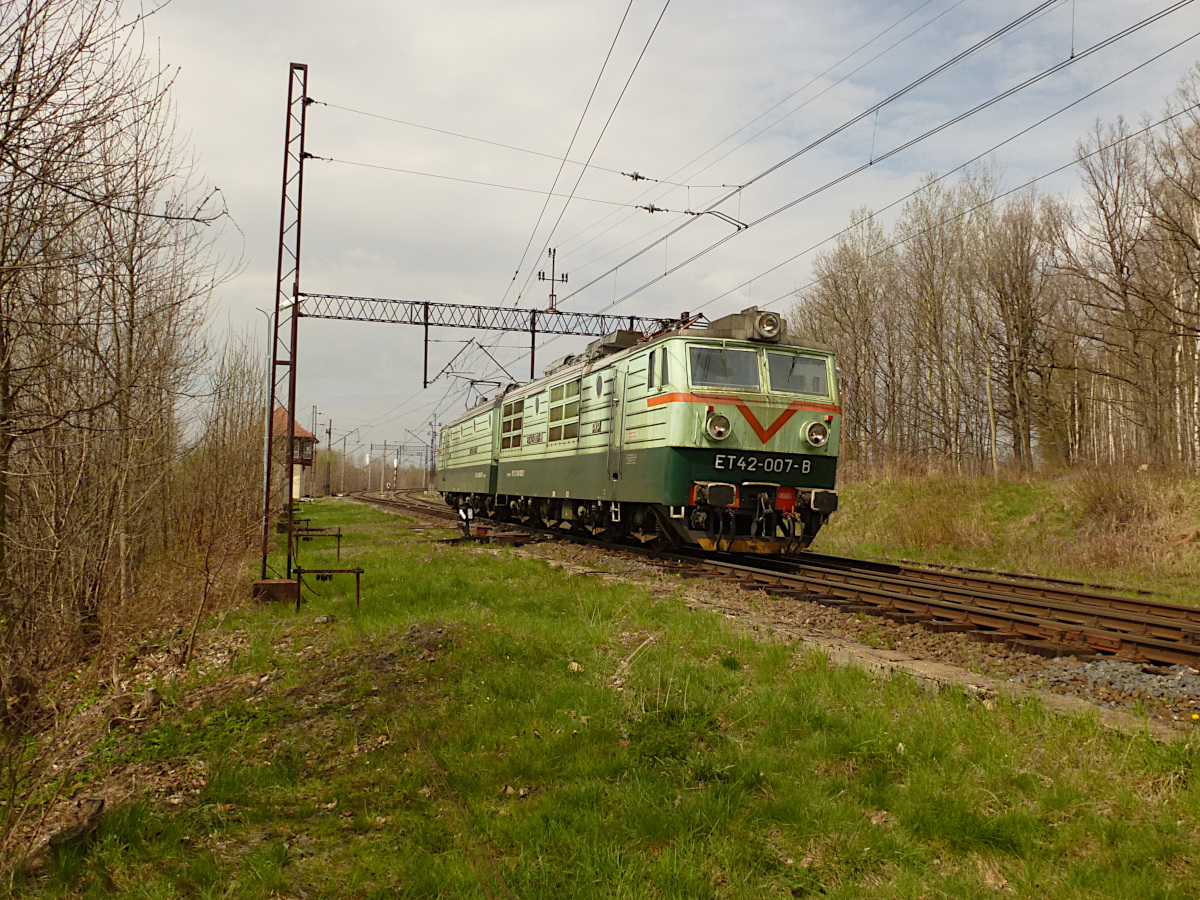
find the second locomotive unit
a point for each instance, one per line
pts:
(722, 437)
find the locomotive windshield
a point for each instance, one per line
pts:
(720, 367)
(795, 374)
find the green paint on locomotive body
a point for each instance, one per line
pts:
(467, 453)
(630, 427)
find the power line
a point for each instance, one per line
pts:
(765, 112)
(600, 137)
(966, 212)
(570, 145)
(636, 176)
(953, 171)
(1095, 48)
(491, 184)
(908, 88)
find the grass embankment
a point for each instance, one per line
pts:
(486, 718)
(1134, 530)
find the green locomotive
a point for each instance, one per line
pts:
(723, 437)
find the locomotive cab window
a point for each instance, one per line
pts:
(564, 411)
(722, 367)
(510, 429)
(795, 374)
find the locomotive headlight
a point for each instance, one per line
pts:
(717, 426)
(816, 433)
(768, 325)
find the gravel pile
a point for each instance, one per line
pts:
(1167, 691)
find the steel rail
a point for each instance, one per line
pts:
(1134, 617)
(1140, 630)
(1051, 588)
(1017, 618)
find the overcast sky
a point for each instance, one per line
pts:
(520, 73)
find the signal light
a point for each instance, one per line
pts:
(816, 433)
(717, 426)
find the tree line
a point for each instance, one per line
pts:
(992, 329)
(130, 439)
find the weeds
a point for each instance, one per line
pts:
(436, 740)
(1133, 528)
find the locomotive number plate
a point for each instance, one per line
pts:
(767, 464)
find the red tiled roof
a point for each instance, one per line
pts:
(279, 426)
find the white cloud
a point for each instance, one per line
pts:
(519, 72)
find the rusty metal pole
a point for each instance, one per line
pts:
(328, 456)
(532, 342)
(287, 309)
(425, 371)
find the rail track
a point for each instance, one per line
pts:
(1047, 617)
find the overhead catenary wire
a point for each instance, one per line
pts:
(955, 171)
(570, 146)
(948, 174)
(891, 98)
(765, 112)
(600, 137)
(635, 176)
(1079, 56)
(899, 242)
(491, 184)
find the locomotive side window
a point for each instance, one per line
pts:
(662, 381)
(798, 374)
(510, 429)
(721, 367)
(564, 411)
(650, 371)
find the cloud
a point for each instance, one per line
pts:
(520, 73)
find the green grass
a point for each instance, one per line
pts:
(1130, 530)
(385, 759)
